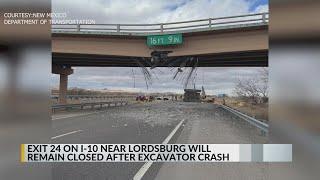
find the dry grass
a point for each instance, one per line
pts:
(258, 111)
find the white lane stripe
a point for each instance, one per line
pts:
(147, 165)
(55, 137)
(166, 141)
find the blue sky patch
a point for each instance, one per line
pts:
(256, 3)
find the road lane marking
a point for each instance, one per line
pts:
(147, 165)
(166, 141)
(55, 137)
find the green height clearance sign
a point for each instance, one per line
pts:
(163, 40)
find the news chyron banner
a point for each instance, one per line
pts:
(156, 152)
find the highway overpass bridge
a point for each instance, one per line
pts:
(237, 41)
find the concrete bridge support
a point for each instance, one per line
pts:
(64, 72)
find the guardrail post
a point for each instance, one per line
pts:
(118, 27)
(264, 17)
(161, 28)
(78, 27)
(210, 22)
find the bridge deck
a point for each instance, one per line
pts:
(214, 42)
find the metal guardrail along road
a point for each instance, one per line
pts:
(95, 96)
(261, 125)
(159, 28)
(82, 105)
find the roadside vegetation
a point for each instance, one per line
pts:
(251, 96)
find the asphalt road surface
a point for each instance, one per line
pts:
(152, 123)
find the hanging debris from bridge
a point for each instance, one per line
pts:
(203, 93)
(146, 73)
(184, 68)
(185, 74)
(159, 58)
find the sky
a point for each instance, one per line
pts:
(155, 11)
(215, 80)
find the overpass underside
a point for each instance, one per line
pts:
(258, 58)
(235, 47)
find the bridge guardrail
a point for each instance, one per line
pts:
(261, 125)
(210, 23)
(82, 105)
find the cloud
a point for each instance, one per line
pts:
(262, 8)
(150, 11)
